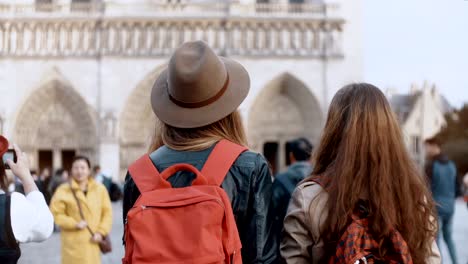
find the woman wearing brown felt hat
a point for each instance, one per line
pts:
(23, 218)
(196, 100)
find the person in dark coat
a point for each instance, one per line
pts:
(299, 154)
(60, 177)
(442, 176)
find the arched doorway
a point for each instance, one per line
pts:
(284, 110)
(54, 124)
(137, 122)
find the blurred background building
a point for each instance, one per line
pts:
(421, 114)
(75, 76)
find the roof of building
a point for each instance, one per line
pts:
(446, 106)
(403, 104)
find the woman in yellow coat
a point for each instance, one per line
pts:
(78, 246)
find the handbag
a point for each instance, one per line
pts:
(105, 245)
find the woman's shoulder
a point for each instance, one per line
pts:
(308, 202)
(311, 197)
(18, 197)
(251, 166)
(250, 159)
(63, 188)
(63, 192)
(309, 191)
(98, 186)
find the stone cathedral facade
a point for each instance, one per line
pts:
(75, 76)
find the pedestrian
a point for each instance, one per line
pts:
(102, 178)
(196, 100)
(114, 189)
(44, 178)
(299, 152)
(23, 218)
(83, 212)
(442, 175)
(42, 182)
(365, 202)
(60, 177)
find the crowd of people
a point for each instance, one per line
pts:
(201, 196)
(45, 182)
(48, 183)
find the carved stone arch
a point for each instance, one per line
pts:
(14, 33)
(137, 121)
(284, 110)
(55, 117)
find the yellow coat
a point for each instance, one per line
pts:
(77, 247)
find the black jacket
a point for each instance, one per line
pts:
(9, 248)
(283, 187)
(248, 185)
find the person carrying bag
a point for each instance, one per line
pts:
(199, 196)
(105, 245)
(82, 204)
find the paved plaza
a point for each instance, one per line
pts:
(49, 251)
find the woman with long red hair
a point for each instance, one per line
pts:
(361, 165)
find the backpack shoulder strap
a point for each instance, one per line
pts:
(145, 175)
(223, 156)
(80, 209)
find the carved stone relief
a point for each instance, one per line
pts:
(56, 117)
(89, 37)
(285, 109)
(108, 129)
(138, 121)
(57, 129)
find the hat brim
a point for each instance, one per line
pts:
(174, 115)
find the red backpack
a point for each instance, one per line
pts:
(194, 224)
(358, 246)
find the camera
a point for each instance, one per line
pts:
(10, 154)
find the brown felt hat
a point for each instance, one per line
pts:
(198, 88)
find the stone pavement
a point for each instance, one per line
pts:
(49, 252)
(460, 235)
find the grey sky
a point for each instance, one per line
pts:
(409, 41)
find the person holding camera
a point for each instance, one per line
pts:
(23, 218)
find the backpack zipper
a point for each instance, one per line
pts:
(218, 201)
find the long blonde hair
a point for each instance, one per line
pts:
(200, 138)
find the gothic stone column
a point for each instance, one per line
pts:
(109, 148)
(57, 159)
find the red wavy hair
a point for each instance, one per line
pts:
(363, 156)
